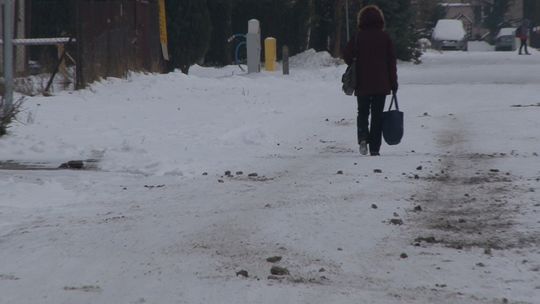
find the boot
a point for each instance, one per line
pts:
(363, 147)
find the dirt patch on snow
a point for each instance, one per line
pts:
(472, 204)
(336, 150)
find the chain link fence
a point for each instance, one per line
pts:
(36, 66)
(29, 66)
(43, 66)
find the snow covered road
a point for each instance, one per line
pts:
(448, 216)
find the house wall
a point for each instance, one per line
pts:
(466, 10)
(465, 13)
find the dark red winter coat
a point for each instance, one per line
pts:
(375, 53)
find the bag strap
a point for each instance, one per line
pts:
(394, 99)
(355, 48)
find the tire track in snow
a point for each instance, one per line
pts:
(471, 203)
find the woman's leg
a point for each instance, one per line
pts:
(362, 119)
(375, 138)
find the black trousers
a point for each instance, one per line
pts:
(373, 133)
(523, 44)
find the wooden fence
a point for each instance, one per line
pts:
(116, 36)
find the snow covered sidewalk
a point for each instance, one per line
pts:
(448, 216)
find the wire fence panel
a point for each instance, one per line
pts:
(35, 60)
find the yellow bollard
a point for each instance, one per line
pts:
(270, 53)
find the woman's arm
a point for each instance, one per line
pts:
(392, 65)
(347, 53)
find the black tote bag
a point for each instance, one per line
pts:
(392, 124)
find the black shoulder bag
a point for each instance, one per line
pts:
(349, 77)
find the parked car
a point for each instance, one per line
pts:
(449, 34)
(506, 39)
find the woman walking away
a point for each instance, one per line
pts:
(523, 35)
(376, 75)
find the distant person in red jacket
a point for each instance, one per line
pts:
(522, 33)
(376, 75)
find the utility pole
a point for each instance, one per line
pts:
(8, 56)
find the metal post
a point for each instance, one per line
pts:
(285, 55)
(20, 60)
(8, 55)
(253, 40)
(270, 53)
(347, 18)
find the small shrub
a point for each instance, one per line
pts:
(7, 118)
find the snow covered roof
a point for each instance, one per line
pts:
(454, 4)
(449, 29)
(506, 31)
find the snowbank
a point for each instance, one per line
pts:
(479, 46)
(312, 59)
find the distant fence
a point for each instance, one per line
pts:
(38, 60)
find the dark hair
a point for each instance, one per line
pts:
(371, 17)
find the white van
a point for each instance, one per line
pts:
(449, 34)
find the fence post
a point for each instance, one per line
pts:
(285, 55)
(8, 55)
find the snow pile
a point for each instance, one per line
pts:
(36, 84)
(479, 46)
(313, 59)
(447, 29)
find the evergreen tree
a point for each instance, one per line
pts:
(219, 52)
(322, 24)
(299, 25)
(189, 30)
(495, 17)
(427, 13)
